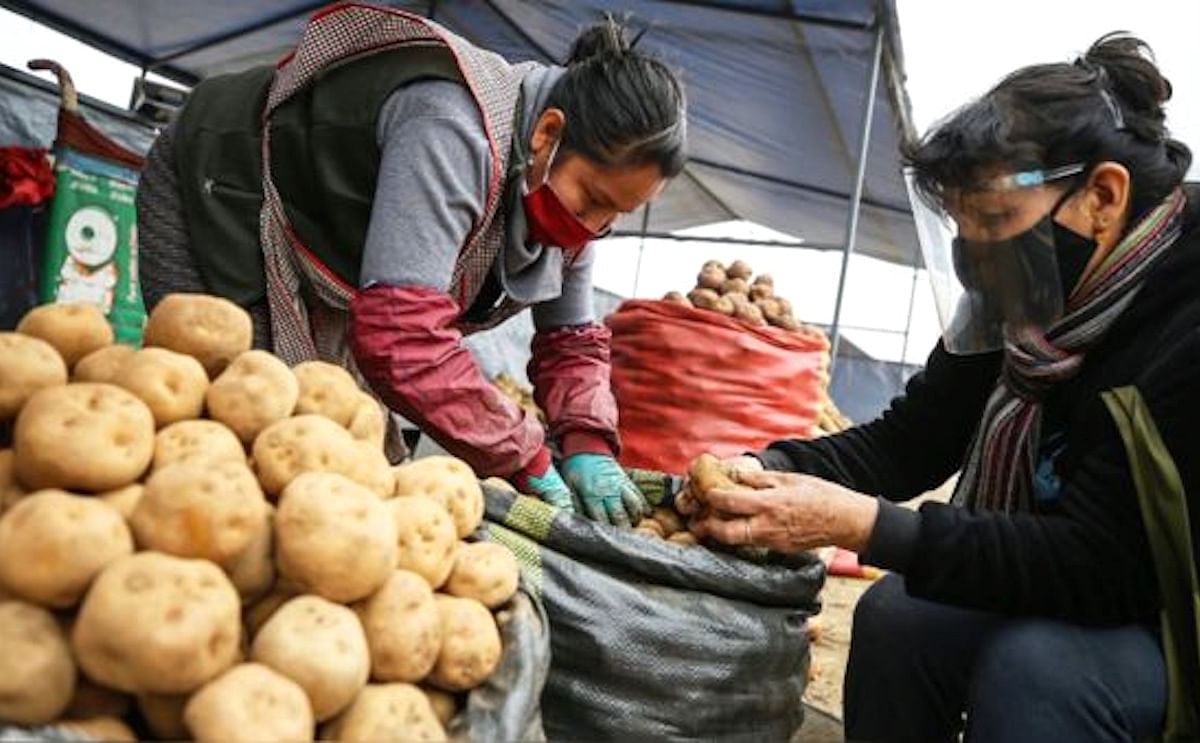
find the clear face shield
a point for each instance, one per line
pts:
(987, 289)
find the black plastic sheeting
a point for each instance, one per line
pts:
(777, 89)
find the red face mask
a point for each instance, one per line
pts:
(551, 223)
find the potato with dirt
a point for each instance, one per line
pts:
(448, 481)
(386, 712)
(305, 443)
(203, 440)
(470, 645)
(199, 509)
(211, 329)
(486, 572)
(403, 628)
(171, 384)
(27, 365)
(426, 538)
(53, 544)
(37, 675)
(153, 623)
(254, 391)
(75, 330)
(250, 702)
(102, 364)
(333, 537)
(319, 645)
(327, 389)
(704, 298)
(112, 425)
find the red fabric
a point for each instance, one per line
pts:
(25, 177)
(570, 372)
(405, 346)
(691, 381)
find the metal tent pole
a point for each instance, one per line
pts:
(637, 275)
(856, 199)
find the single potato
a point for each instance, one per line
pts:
(171, 384)
(75, 330)
(211, 329)
(426, 538)
(52, 544)
(327, 389)
(27, 364)
(306, 443)
(320, 646)
(206, 510)
(153, 623)
(197, 440)
(253, 392)
(403, 628)
(333, 537)
(251, 703)
(102, 364)
(37, 676)
(486, 572)
(399, 712)
(470, 645)
(448, 481)
(111, 425)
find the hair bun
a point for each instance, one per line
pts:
(604, 39)
(1128, 69)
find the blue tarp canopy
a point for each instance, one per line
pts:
(778, 90)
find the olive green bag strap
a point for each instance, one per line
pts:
(1164, 511)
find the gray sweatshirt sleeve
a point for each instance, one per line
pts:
(433, 177)
(574, 306)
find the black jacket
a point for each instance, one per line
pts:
(1086, 558)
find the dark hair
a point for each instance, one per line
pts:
(622, 107)
(1105, 106)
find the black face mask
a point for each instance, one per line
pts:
(1072, 251)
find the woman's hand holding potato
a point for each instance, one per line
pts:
(787, 513)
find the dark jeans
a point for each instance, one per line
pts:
(917, 667)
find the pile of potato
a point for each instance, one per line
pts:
(201, 542)
(735, 291)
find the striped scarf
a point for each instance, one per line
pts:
(998, 472)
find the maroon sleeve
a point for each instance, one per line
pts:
(570, 374)
(405, 345)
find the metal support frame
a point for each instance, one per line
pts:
(637, 274)
(835, 335)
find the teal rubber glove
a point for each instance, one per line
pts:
(540, 479)
(550, 487)
(607, 493)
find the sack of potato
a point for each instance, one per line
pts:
(686, 643)
(197, 541)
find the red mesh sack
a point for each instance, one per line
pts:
(690, 381)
